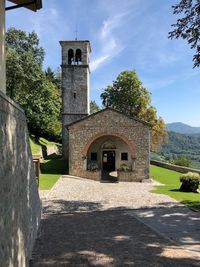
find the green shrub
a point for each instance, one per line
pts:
(92, 166)
(189, 176)
(190, 182)
(124, 167)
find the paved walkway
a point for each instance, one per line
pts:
(87, 223)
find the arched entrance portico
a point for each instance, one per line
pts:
(108, 153)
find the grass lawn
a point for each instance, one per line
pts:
(51, 169)
(35, 148)
(171, 182)
(47, 180)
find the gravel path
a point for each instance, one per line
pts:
(87, 223)
(100, 196)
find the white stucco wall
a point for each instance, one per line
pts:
(2, 47)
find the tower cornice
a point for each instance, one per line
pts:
(76, 41)
(75, 66)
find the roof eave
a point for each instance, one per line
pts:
(33, 5)
(109, 108)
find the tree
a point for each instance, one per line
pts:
(28, 85)
(50, 74)
(43, 107)
(188, 26)
(93, 107)
(25, 43)
(128, 95)
(181, 161)
(54, 76)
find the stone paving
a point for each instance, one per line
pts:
(87, 223)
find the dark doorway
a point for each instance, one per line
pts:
(109, 161)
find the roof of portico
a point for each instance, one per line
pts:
(33, 5)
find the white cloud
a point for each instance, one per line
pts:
(155, 84)
(97, 62)
(109, 44)
(111, 24)
(46, 19)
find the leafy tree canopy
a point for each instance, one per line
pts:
(128, 95)
(54, 76)
(22, 43)
(28, 85)
(188, 26)
(93, 107)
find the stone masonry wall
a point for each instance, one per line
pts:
(75, 87)
(109, 122)
(67, 119)
(173, 167)
(19, 200)
(129, 176)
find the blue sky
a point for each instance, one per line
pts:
(124, 35)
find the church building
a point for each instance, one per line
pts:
(104, 145)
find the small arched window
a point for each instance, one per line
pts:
(78, 58)
(70, 56)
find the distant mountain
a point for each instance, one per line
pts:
(182, 128)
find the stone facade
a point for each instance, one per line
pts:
(19, 200)
(129, 135)
(75, 84)
(129, 176)
(2, 48)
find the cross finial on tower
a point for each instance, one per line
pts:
(76, 33)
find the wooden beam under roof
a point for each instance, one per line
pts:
(33, 5)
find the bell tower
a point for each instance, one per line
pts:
(75, 85)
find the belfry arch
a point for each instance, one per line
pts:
(70, 56)
(78, 56)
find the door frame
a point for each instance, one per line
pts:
(108, 150)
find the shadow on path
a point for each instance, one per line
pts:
(82, 234)
(109, 177)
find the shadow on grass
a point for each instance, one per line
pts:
(195, 205)
(174, 190)
(54, 166)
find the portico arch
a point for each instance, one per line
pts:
(102, 134)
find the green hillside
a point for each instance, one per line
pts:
(180, 145)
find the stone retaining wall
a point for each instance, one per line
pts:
(128, 176)
(93, 175)
(19, 200)
(173, 167)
